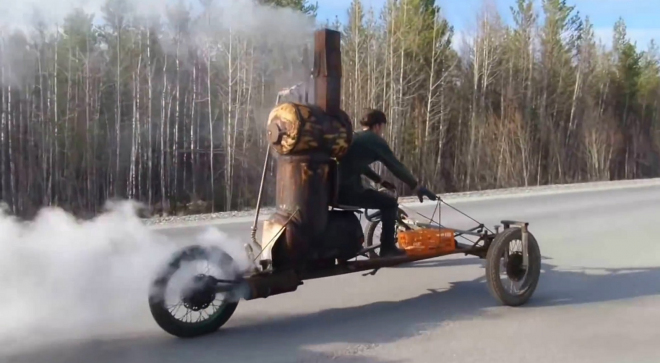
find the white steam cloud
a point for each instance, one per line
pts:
(66, 278)
(211, 26)
(242, 16)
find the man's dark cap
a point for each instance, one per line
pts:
(373, 117)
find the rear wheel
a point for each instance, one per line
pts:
(505, 260)
(188, 280)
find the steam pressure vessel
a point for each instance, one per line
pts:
(305, 140)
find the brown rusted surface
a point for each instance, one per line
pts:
(272, 230)
(277, 231)
(302, 191)
(327, 70)
(306, 64)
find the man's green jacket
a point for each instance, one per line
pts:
(367, 148)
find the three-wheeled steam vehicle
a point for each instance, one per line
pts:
(310, 236)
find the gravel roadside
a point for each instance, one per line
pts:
(450, 197)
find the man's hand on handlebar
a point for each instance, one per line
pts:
(423, 192)
(420, 191)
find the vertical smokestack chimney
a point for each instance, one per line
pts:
(308, 73)
(327, 70)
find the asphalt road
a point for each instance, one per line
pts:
(598, 301)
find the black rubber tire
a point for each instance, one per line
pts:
(161, 314)
(371, 229)
(496, 249)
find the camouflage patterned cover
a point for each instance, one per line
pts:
(296, 129)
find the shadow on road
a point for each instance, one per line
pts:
(592, 285)
(448, 262)
(362, 328)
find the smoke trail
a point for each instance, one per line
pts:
(62, 277)
(208, 26)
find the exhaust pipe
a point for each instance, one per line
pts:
(262, 286)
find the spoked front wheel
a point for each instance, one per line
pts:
(183, 297)
(509, 281)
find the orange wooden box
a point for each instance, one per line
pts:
(426, 241)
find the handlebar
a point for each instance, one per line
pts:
(423, 192)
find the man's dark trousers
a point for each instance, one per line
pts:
(372, 199)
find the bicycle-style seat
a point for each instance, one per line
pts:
(346, 208)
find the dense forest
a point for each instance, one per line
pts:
(171, 110)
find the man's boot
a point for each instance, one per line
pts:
(388, 246)
(391, 251)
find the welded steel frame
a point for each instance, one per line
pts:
(272, 282)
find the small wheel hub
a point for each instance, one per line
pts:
(199, 294)
(514, 267)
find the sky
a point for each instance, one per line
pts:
(641, 16)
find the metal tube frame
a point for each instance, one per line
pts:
(269, 283)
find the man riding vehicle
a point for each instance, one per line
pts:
(368, 147)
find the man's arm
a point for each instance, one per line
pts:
(387, 157)
(371, 174)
